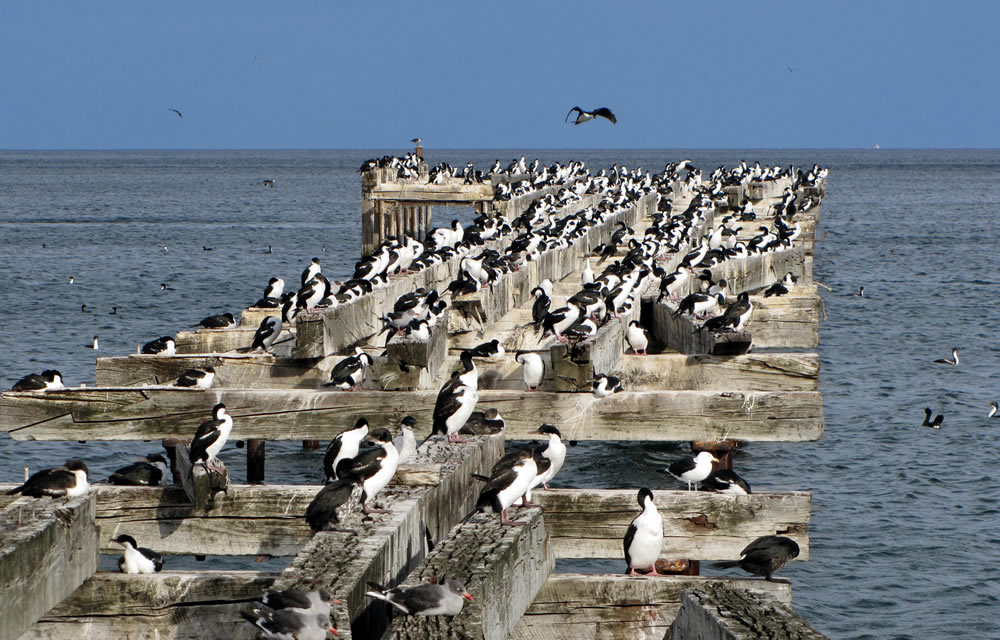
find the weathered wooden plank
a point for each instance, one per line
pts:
(617, 607)
(683, 333)
(724, 613)
(790, 321)
(48, 548)
(226, 340)
(502, 566)
(251, 370)
(700, 372)
(576, 363)
(153, 414)
(388, 546)
(697, 525)
(168, 605)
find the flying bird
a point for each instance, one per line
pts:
(583, 116)
(179, 114)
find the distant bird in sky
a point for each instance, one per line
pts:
(953, 360)
(583, 116)
(790, 69)
(179, 114)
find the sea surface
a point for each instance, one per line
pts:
(905, 531)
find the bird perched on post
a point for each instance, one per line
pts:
(549, 459)
(344, 446)
(764, 556)
(425, 600)
(137, 559)
(605, 385)
(211, 437)
(509, 480)
(644, 537)
(457, 400)
(726, 481)
(693, 469)
(69, 480)
(270, 327)
(584, 116)
(372, 468)
(350, 372)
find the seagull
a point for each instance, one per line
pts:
(693, 470)
(953, 360)
(583, 116)
(179, 114)
(137, 559)
(764, 556)
(289, 623)
(417, 140)
(425, 600)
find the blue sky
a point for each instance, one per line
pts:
(102, 75)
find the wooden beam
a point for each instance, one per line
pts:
(724, 613)
(503, 567)
(617, 607)
(250, 370)
(790, 321)
(48, 548)
(574, 364)
(697, 525)
(388, 546)
(167, 605)
(153, 414)
(681, 333)
(700, 372)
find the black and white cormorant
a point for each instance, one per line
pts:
(457, 400)
(509, 480)
(584, 116)
(149, 471)
(211, 437)
(372, 468)
(644, 537)
(69, 480)
(197, 378)
(137, 559)
(48, 380)
(345, 445)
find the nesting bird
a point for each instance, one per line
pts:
(69, 480)
(137, 559)
(163, 346)
(148, 472)
(48, 380)
(605, 385)
(221, 321)
(197, 378)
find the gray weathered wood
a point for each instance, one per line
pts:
(503, 567)
(681, 333)
(200, 484)
(48, 548)
(697, 525)
(785, 321)
(152, 414)
(719, 612)
(699, 372)
(168, 605)
(390, 545)
(251, 370)
(617, 607)
(575, 364)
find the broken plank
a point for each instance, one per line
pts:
(726, 613)
(48, 548)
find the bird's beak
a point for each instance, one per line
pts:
(467, 596)
(714, 459)
(333, 631)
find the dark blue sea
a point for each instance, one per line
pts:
(905, 528)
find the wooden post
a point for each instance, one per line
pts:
(199, 483)
(49, 548)
(723, 613)
(170, 445)
(255, 459)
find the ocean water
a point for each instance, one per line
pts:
(905, 519)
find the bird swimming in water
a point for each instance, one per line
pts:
(270, 182)
(935, 423)
(583, 116)
(425, 600)
(137, 559)
(994, 409)
(952, 361)
(69, 480)
(644, 537)
(93, 345)
(764, 556)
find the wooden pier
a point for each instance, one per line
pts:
(707, 388)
